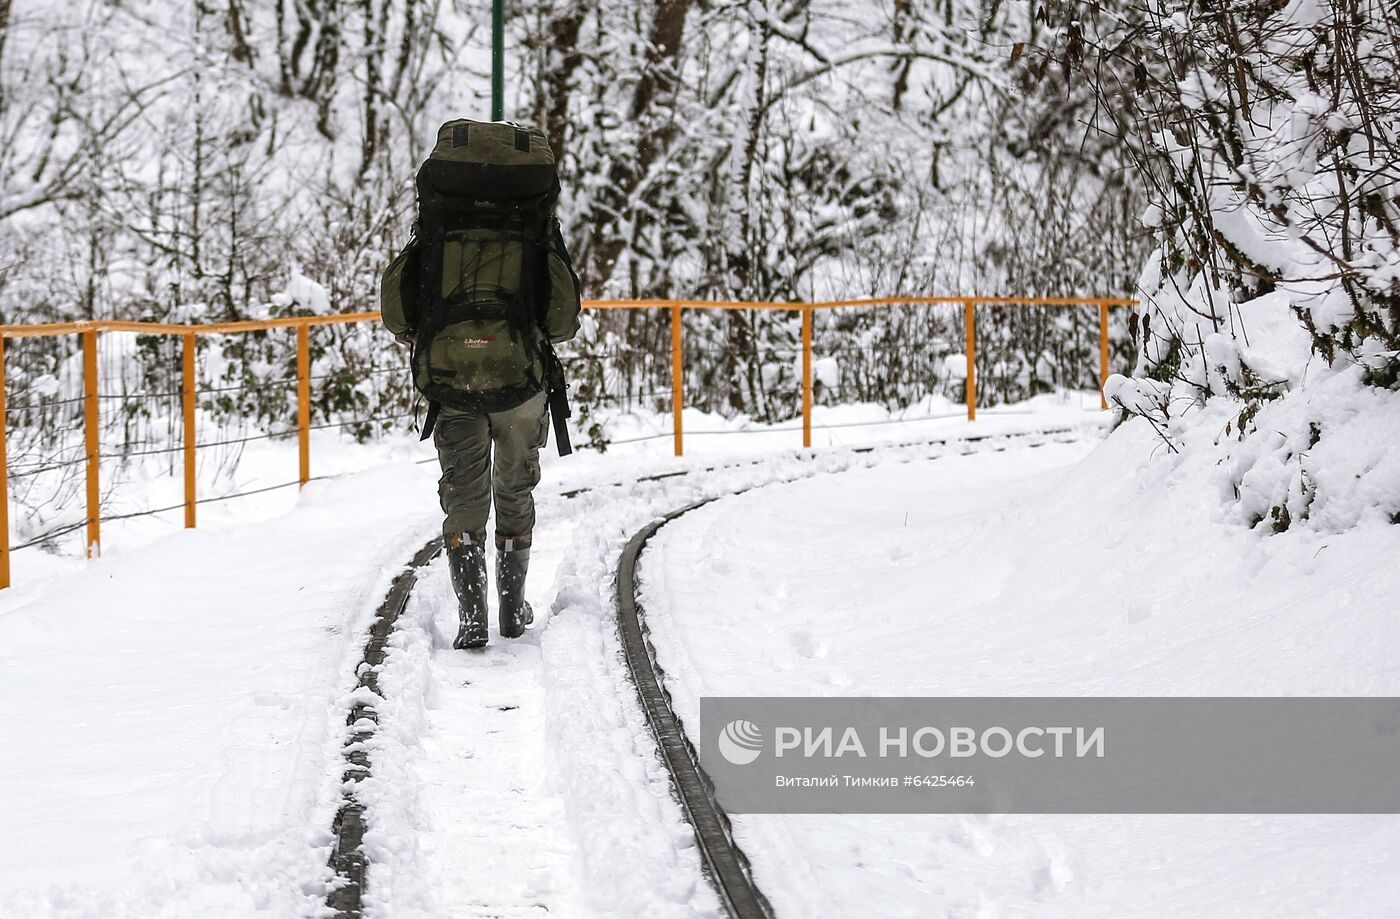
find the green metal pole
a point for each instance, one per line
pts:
(498, 53)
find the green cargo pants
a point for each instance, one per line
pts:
(471, 473)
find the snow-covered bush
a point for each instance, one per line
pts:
(1268, 134)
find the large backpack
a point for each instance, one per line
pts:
(486, 286)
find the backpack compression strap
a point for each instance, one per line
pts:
(430, 419)
(558, 390)
(559, 411)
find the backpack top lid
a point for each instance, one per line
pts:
(488, 160)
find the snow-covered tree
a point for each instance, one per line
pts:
(192, 160)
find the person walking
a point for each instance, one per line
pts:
(482, 292)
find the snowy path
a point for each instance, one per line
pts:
(1031, 572)
(524, 780)
(520, 781)
(488, 833)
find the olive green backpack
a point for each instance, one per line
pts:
(485, 287)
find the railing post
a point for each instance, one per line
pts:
(94, 454)
(304, 400)
(677, 379)
(970, 330)
(1103, 354)
(806, 376)
(4, 477)
(187, 392)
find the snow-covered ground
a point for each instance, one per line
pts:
(1064, 570)
(175, 714)
(177, 708)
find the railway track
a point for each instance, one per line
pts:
(348, 829)
(725, 864)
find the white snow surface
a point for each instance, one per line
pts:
(177, 709)
(1053, 571)
(175, 714)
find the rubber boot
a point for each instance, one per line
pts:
(466, 559)
(512, 564)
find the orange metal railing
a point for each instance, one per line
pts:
(90, 333)
(969, 305)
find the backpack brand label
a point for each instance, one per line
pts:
(478, 342)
